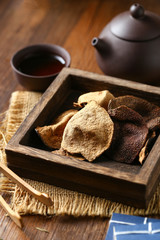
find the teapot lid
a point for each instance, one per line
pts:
(136, 24)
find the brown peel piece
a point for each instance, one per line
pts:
(130, 133)
(101, 97)
(153, 123)
(89, 132)
(149, 111)
(124, 113)
(52, 135)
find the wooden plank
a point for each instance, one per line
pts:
(57, 227)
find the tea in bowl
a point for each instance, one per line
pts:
(36, 66)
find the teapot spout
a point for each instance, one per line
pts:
(98, 43)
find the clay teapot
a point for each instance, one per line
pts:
(129, 46)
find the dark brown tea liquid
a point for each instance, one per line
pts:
(41, 65)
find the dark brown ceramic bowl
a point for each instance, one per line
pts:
(24, 60)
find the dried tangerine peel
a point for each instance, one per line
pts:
(52, 135)
(101, 97)
(130, 134)
(89, 132)
(147, 147)
(149, 111)
(154, 122)
(63, 115)
(62, 152)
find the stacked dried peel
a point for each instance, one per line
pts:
(122, 128)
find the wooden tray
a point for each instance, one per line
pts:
(26, 155)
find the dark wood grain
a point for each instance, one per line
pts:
(61, 227)
(71, 24)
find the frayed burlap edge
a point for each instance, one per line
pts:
(64, 201)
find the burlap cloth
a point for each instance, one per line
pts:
(65, 201)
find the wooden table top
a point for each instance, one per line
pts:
(71, 24)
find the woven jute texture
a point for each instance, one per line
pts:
(65, 201)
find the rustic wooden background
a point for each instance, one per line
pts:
(71, 24)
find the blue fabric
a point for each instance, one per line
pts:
(139, 231)
(126, 220)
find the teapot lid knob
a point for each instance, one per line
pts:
(137, 24)
(137, 11)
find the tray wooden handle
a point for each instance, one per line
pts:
(13, 215)
(42, 197)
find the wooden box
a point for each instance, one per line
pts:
(26, 155)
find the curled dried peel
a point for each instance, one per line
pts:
(149, 111)
(147, 147)
(101, 97)
(130, 134)
(89, 132)
(52, 135)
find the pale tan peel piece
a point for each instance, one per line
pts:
(62, 152)
(101, 97)
(145, 150)
(52, 135)
(89, 132)
(62, 116)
